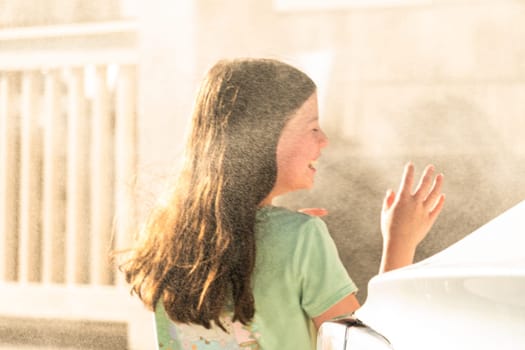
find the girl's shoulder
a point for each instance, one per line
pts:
(283, 215)
(275, 219)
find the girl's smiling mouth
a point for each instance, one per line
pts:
(313, 165)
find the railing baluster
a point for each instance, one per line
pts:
(59, 141)
(102, 180)
(30, 176)
(53, 181)
(8, 176)
(77, 221)
(125, 159)
(65, 204)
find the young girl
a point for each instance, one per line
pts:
(219, 264)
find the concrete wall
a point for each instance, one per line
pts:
(442, 83)
(22, 13)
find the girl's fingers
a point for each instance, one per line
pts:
(435, 191)
(407, 181)
(437, 208)
(425, 182)
(314, 211)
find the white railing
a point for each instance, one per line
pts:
(67, 163)
(66, 157)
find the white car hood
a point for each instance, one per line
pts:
(499, 244)
(469, 296)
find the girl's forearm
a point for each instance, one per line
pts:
(396, 255)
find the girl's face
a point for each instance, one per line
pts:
(298, 149)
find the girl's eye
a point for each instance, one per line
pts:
(315, 130)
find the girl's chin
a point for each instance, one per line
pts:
(306, 186)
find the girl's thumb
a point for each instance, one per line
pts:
(389, 199)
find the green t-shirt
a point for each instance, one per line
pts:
(298, 275)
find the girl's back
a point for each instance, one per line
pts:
(298, 275)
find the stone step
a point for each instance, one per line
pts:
(45, 334)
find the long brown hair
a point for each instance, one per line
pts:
(198, 251)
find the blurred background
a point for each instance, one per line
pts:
(95, 99)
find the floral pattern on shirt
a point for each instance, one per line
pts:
(194, 337)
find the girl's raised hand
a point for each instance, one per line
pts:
(407, 216)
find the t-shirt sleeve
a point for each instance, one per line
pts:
(323, 279)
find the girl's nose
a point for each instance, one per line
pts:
(323, 140)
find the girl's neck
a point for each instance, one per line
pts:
(266, 202)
